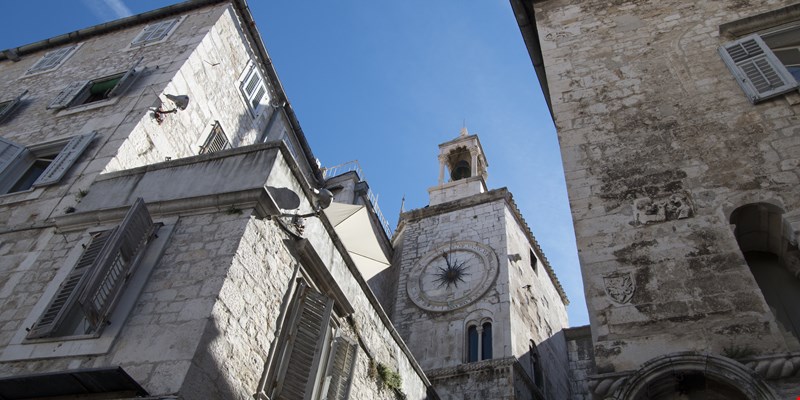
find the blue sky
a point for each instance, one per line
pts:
(384, 83)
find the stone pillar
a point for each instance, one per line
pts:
(473, 162)
(442, 159)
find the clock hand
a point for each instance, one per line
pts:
(446, 259)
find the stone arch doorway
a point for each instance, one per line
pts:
(692, 376)
(764, 238)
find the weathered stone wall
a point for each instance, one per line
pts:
(162, 332)
(538, 313)
(480, 222)
(581, 361)
(659, 144)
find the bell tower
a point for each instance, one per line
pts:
(476, 300)
(465, 162)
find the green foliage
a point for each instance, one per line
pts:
(391, 379)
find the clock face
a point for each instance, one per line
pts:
(452, 276)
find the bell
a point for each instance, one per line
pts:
(460, 171)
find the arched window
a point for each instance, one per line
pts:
(761, 235)
(479, 342)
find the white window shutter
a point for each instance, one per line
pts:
(67, 293)
(756, 68)
(304, 346)
(340, 369)
(154, 32)
(115, 264)
(66, 95)
(11, 105)
(52, 59)
(254, 89)
(216, 141)
(64, 160)
(126, 80)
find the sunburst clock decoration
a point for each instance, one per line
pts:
(451, 274)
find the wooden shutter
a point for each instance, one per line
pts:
(65, 297)
(757, 70)
(340, 369)
(51, 60)
(9, 153)
(64, 98)
(304, 346)
(115, 264)
(154, 32)
(126, 80)
(10, 106)
(216, 141)
(64, 160)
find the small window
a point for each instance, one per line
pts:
(87, 92)
(85, 299)
(155, 32)
(216, 141)
(8, 107)
(312, 360)
(479, 342)
(52, 60)
(254, 89)
(534, 261)
(22, 168)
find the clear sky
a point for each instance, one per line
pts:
(384, 82)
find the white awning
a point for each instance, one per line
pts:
(352, 224)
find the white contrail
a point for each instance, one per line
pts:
(108, 9)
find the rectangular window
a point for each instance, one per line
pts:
(312, 360)
(155, 32)
(86, 92)
(52, 60)
(22, 168)
(765, 65)
(254, 89)
(534, 261)
(216, 141)
(7, 107)
(85, 299)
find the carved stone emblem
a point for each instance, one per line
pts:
(619, 286)
(654, 210)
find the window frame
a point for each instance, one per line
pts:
(74, 96)
(324, 376)
(22, 348)
(217, 140)
(98, 278)
(67, 151)
(8, 107)
(136, 42)
(67, 53)
(251, 72)
(757, 70)
(478, 326)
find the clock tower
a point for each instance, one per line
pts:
(477, 302)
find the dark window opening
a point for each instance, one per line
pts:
(761, 234)
(486, 341)
(472, 334)
(97, 90)
(33, 173)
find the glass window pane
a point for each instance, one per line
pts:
(486, 341)
(472, 334)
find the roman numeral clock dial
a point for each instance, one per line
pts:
(452, 276)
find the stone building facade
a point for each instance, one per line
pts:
(162, 228)
(477, 302)
(678, 129)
